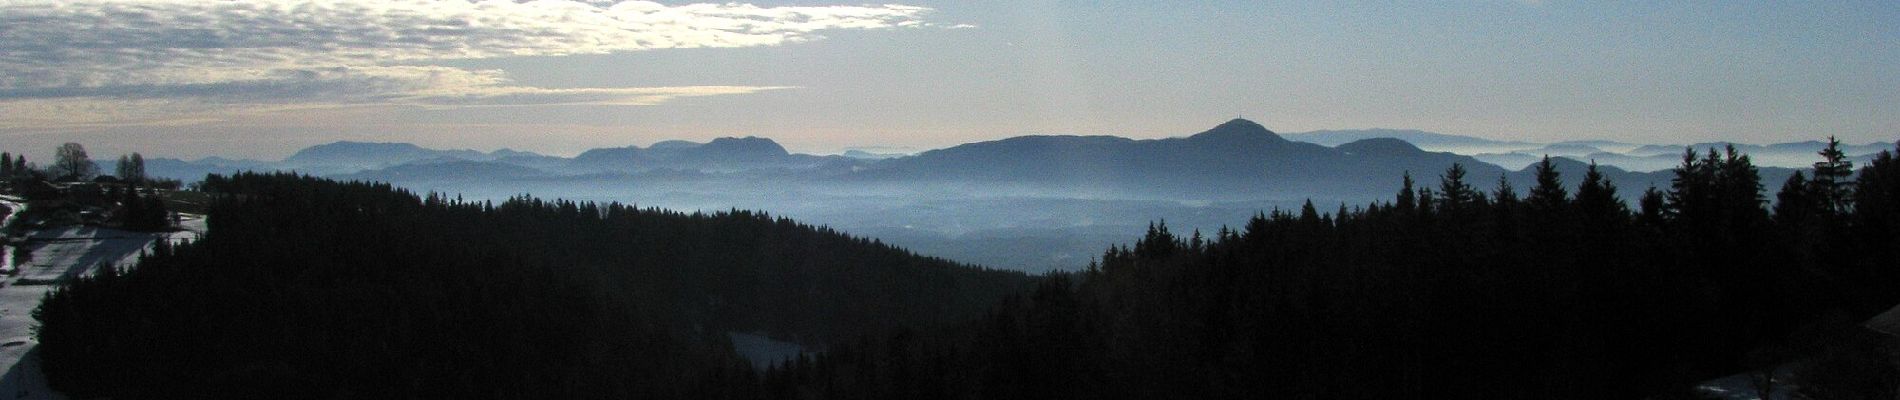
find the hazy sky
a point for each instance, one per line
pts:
(260, 79)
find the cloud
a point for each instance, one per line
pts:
(272, 53)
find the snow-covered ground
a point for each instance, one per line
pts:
(57, 254)
(13, 205)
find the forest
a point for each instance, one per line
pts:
(309, 288)
(1445, 292)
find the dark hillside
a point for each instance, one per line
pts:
(306, 287)
(1546, 291)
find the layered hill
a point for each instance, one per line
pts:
(1237, 159)
(719, 155)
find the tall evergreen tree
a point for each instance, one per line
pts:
(1457, 195)
(1407, 202)
(1877, 192)
(1876, 220)
(1740, 183)
(1796, 202)
(1692, 190)
(1505, 195)
(1832, 189)
(1596, 197)
(6, 165)
(1549, 194)
(1653, 205)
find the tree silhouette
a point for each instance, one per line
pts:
(1597, 199)
(131, 169)
(1457, 194)
(1549, 194)
(71, 164)
(1832, 180)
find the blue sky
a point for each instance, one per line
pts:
(262, 79)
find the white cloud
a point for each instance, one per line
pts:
(276, 53)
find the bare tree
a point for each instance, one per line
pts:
(71, 163)
(132, 168)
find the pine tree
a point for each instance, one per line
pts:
(1833, 193)
(1407, 203)
(1741, 190)
(1158, 243)
(1309, 215)
(1692, 189)
(1549, 194)
(1457, 195)
(1877, 199)
(1596, 197)
(1653, 207)
(1505, 195)
(1796, 202)
(6, 165)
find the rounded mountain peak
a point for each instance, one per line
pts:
(1238, 129)
(749, 145)
(1380, 146)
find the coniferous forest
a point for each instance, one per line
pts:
(312, 288)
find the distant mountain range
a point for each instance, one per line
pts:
(408, 162)
(1029, 202)
(1423, 139)
(719, 155)
(1236, 160)
(1239, 159)
(1630, 156)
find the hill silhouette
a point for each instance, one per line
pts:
(1234, 160)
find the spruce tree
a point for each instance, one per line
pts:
(1457, 194)
(1596, 197)
(1877, 200)
(1407, 203)
(1741, 190)
(1692, 189)
(1549, 194)
(1796, 202)
(1833, 192)
(1505, 195)
(1308, 214)
(1652, 205)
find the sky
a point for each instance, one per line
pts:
(262, 78)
